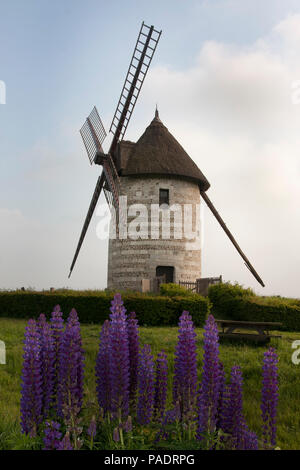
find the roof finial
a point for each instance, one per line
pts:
(156, 117)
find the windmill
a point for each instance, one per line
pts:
(93, 132)
(112, 176)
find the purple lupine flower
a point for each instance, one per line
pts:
(69, 395)
(269, 396)
(250, 440)
(145, 386)
(185, 365)
(208, 395)
(31, 389)
(133, 345)
(65, 443)
(170, 417)
(233, 421)
(222, 388)
(128, 424)
(52, 435)
(73, 321)
(161, 385)
(116, 435)
(47, 365)
(41, 321)
(57, 327)
(119, 360)
(103, 369)
(92, 430)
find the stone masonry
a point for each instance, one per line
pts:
(130, 261)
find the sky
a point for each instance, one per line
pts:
(226, 78)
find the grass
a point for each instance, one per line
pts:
(248, 356)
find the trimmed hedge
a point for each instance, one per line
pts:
(235, 303)
(94, 307)
(174, 290)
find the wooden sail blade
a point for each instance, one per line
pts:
(141, 59)
(93, 134)
(232, 239)
(96, 195)
(112, 182)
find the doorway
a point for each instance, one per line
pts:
(167, 272)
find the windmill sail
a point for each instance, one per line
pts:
(232, 239)
(112, 179)
(140, 62)
(93, 132)
(89, 215)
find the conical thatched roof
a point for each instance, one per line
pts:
(157, 152)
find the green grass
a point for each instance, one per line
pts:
(249, 357)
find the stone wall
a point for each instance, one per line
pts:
(130, 261)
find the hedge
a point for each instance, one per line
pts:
(94, 308)
(236, 303)
(174, 290)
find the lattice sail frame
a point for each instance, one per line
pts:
(93, 134)
(141, 59)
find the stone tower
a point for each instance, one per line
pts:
(157, 173)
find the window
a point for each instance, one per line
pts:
(163, 196)
(167, 272)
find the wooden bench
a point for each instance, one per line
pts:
(262, 329)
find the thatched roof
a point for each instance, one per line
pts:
(157, 152)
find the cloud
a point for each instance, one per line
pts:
(37, 254)
(233, 112)
(288, 29)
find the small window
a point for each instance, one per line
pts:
(163, 196)
(165, 272)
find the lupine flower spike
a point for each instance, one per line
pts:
(31, 388)
(92, 428)
(222, 390)
(133, 345)
(65, 443)
(71, 359)
(103, 370)
(47, 365)
(145, 386)
(119, 360)
(185, 366)
(161, 385)
(57, 326)
(208, 397)
(233, 420)
(52, 436)
(269, 397)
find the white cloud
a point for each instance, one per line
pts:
(289, 30)
(233, 113)
(39, 255)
